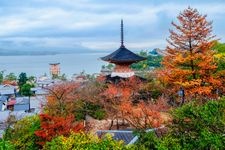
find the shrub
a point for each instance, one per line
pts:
(199, 126)
(99, 114)
(88, 108)
(22, 136)
(83, 141)
(194, 127)
(52, 126)
(6, 145)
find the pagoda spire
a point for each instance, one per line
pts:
(122, 45)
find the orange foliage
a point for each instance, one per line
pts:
(124, 89)
(9, 82)
(120, 100)
(144, 115)
(55, 126)
(61, 99)
(101, 78)
(189, 61)
(115, 94)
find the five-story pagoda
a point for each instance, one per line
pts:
(122, 58)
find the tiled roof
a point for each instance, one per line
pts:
(124, 135)
(7, 89)
(127, 136)
(3, 98)
(123, 55)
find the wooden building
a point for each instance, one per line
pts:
(122, 58)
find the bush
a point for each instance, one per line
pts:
(199, 126)
(194, 127)
(99, 114)
(91, 109)
(6, 145)
(53, 126)
(146, 141)
(22, 136)
(83, 141)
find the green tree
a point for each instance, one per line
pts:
(11, 77)
(194, 126)
(31, 79)
(26, 89)
(60, 77)
(109, 66)
(88, 108)
(22, 80)
(153, 61)
(1, 76)
(219, 49)
(22, 136)
(143, 64)
(219, 56)
(6, 145)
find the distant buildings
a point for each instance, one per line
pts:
(8, 90)
(22, 103)
(79, 78)
(3, 102)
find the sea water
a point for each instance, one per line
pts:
(39, 64)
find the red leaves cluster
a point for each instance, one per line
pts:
(140, 115)
(145, 114)
(124, 89)
(52, 126)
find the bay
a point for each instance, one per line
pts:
(38, 65)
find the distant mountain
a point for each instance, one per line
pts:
(11, 49)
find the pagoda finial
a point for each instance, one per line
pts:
(122, 33)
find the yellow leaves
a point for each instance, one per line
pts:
(220, 56)
(190, 84)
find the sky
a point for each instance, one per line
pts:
(94, 25)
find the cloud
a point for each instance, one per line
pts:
(95, 23)
(134, 46)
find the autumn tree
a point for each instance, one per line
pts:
(189, 61)
(145, 115)
(115, 94)
(53, 126)
(80, 100)
(129, 103)
(11, 77)
(60, 100)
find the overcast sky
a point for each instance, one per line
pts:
(95, 24)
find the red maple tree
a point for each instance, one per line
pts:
(52, 126)
(145, 115)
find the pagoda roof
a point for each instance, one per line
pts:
(118, 79)
(123, 55)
